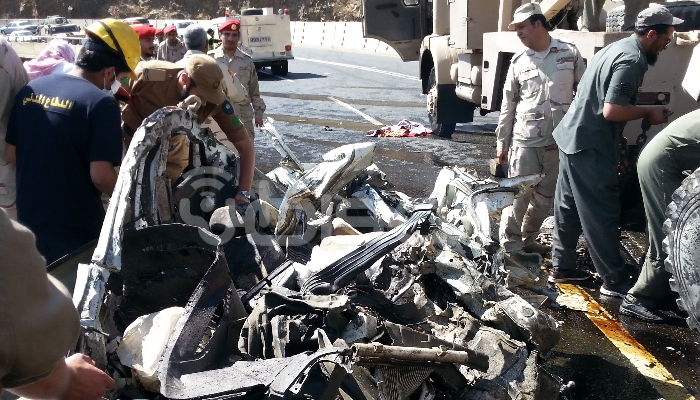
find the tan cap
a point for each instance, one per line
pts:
(524, 12)
(656, 15)
(207, 76)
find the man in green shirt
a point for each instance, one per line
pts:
(587, 193)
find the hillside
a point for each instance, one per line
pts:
(299, 10)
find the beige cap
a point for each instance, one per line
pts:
(207, 76)
(656, 15)
(524, 12)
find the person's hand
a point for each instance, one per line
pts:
(86, 382)
(658, 115)
(241, 199)
(502, 157)
(259, 122)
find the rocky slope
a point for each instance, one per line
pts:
(299, 10)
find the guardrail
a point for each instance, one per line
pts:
(340, 35)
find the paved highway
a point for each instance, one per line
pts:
(332, 97)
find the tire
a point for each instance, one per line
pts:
(252, 11)
(441, 130)
(689, 11)
(682, 229)
(280, 69)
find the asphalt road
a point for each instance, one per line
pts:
(385, 90)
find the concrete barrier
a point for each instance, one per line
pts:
(340, 35)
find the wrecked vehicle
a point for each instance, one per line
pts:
(330, 285)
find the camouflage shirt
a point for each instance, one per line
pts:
(538, 90)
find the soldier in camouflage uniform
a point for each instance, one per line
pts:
(539, 88)
(242, 65)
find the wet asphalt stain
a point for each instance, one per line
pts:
(297, 96)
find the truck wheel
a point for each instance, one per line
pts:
(682, 229)
(280, 69)
(688, 11)
(441, 130)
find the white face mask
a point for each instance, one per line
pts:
(112, 90)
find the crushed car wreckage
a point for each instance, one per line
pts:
(330, 285)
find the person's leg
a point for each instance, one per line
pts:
(542, 194)
(591, 15)
(521, 161)
(658, 179)
(595, 186)
(567, 226)
(632, 8)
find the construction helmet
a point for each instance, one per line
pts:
(121, 38)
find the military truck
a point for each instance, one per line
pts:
(55, 24)
(464, 50)
(266, 36)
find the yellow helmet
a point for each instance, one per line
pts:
(120, 37)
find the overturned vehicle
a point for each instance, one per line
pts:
(330, 285)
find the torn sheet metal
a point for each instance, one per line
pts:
(339, 167)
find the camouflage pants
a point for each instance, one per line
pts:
(520, 223)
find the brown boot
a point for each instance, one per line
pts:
(537, 248)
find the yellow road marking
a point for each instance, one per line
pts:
(657, 375)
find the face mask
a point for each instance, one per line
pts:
(112, 90)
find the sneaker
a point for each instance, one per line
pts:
(636, 310)
(615, 290)
(537, 248)
(558, 275)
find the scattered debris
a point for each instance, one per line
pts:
(330, 285)
(404, 128)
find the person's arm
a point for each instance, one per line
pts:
(11, 153)
(103, 176)
(246, 150)
(579, 68)
(236, 133)
(258, 103)
(504, 130)
(624, 113)
(105, 144)
(73, 378)
(623, 87)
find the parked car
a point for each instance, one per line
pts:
(183, 24)
(22, 36)
(136, 21)
(16, 26)
(56, 24)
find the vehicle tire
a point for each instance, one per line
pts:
(682, 229)
(688, 11)
(441, 130)
(281, 69)
(252, 11)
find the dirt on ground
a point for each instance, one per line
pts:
(299, 10)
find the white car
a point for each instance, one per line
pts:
(22, 36)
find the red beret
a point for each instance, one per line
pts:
(169, 28)
(232, 25)
(159, 31)
(144, 31)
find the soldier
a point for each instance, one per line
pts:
(146, 34)
(661, 165)
(166, 85)
(587, 195)
(160, 36)
(539, 88)
(171, 49)
(242, 65)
